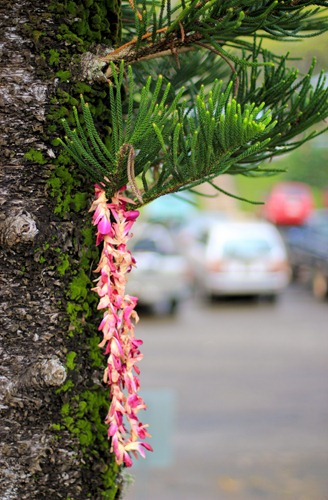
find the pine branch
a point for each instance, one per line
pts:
(167, 145)
(294, 103)
(163, 30)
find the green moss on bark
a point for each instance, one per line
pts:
(78, 27)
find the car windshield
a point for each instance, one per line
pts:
(320, 221)
(146, 245)
(293, 189)
(153, 238)
(246, 248)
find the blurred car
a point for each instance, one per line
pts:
(308, 252)
(192, 237)
(197, 226)
(162, 277)
(244, 258)
(289, 203)
(171, 210)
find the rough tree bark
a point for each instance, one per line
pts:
(51, 402)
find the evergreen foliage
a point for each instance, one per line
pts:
(167, 137)
(226, 19)
(158, 24)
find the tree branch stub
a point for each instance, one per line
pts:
(20, 227)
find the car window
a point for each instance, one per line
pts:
(163, 247)
(319, 222)
(146, 245)
(246, 248)
(295, 190)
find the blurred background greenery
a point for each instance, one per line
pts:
(309, 163)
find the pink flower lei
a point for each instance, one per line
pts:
(114, 223)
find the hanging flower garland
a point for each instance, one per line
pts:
(114, 223)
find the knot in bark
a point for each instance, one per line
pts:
(91, 68)
(18, 228)
(41, 374)
(52, 372)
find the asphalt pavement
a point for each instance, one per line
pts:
(237, 395)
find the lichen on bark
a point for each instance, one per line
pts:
(53, 441)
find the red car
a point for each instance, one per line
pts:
(289, 204)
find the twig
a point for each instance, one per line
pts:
(130, 170)
(182, 32)
(175, 53)
(133, 7)
(153, 51)
(148, 57)
(131, 42)
(233, 69)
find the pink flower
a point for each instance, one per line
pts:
(137, 446)
(132, 215)
(114, 223)
(116, 348)
(127, 459)
(104, 226)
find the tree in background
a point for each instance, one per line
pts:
(308, 165)
(217, 102)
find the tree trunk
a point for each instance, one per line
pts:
(53, 443)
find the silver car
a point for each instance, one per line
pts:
(244, 258)
(162, 277)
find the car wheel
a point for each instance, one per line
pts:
(173, 307)
(169, 306)
(295, 273)
(271, 298)
(209, 298)
(320, 285)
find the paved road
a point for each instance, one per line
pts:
(238, 402)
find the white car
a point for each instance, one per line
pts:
(162, 277)
(244, 258)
